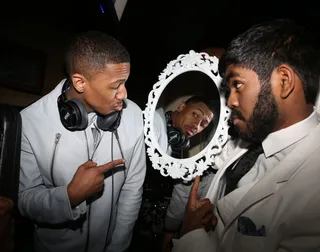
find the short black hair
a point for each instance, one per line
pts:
(265, 46)
(91, 51)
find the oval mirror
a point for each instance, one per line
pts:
(194, 76)
(191, 102)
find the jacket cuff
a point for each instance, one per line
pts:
(76, 212)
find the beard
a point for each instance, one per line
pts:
(263, 118)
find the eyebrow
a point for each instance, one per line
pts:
(230, 75)
(121, 80)
(118, 82)
(201, 111)
(203, 114)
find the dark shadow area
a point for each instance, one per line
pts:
(154, 32)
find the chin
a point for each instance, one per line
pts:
(243, 133)
(104, 113)
(240, 130)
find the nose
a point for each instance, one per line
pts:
(122, 93)
(197, 126)
(232, 101)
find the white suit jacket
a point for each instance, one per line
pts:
(61, 228)
(285, 203)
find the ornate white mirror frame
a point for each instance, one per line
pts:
(187, 168)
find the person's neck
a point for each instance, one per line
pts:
(295, 115)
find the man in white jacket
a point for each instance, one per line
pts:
(271, 72)
(83, 157)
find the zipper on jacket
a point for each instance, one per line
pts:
(56, 141)
(125, 172)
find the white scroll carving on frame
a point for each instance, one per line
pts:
(187, 168)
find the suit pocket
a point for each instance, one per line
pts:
(248, 243)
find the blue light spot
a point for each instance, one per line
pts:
(102, 10)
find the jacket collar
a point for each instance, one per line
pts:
(279, 140)
(281, 173)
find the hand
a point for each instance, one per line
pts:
(6, 224)
(167, 241)
(88, 179)
(199, 213)
(6, 206)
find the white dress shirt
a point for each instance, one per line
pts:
(277, 145)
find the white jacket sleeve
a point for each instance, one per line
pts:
(160, 130)
(179, 199)
(194, 241)
(36, 201)
(130, 199)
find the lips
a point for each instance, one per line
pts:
(237, 116)
(118, 106)
(190, 131)
(235, 120)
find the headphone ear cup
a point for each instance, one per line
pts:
(175, 137)
(109, 122)
(186, 144)
(73, 115)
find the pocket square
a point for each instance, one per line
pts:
(247, 227)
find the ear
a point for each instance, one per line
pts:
(79, 82)
(181, 106)
(287, 80)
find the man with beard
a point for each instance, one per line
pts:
(266, 196)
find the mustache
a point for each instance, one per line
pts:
(237, 114)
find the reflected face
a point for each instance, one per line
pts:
(192, 118)
(105, 90)
(254, 109)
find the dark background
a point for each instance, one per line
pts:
(157, 31)
(154, 32)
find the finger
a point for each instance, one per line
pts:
(100, 187)
(193, 197)
(89, 164)
(110, 165)
(207, 226)
(6, 202)
(6, 205)
(205, 209)
(203, 201)
(207, 222)
(207, 219)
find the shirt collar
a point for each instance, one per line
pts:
(281, 139)
(92, 119)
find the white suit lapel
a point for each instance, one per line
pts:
(279, 174)
(214, 188)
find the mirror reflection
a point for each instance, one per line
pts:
(187, 114)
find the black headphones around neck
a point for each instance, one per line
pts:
(177, 140)
(74, 116)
